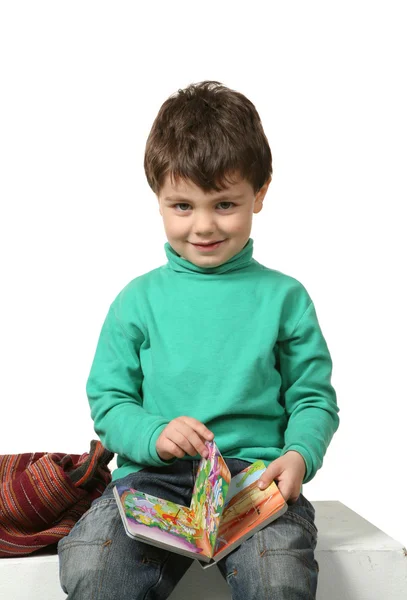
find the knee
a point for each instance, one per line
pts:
(277, 561)
(86, 553)
(274, 574)
(82, 567)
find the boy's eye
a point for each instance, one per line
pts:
(229, 205)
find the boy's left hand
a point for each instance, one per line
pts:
(288, 471)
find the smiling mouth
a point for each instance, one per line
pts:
(210, 243)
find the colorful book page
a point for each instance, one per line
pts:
(193, 529)
(160, 520)
(208, 497)
(247, 507)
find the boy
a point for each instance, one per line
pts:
(211, 344)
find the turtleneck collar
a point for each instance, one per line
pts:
(241, 260)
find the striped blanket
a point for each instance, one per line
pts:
(42, 495)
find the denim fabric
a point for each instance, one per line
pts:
(98, 561)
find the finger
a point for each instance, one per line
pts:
(285, 492)
(181, 435)
(199, 427)
(292, 500)
(272, 472)
(168, 449)
(164, 455)
(288, 492)
(196, 444)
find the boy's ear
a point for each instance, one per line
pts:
(263, 190)
(258, 203)
(265, 186)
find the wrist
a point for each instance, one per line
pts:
(298, 456)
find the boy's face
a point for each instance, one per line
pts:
(193, 217)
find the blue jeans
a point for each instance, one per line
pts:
(98, 561)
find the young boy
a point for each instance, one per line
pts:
(210, 345)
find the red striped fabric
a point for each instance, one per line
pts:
(42, 495)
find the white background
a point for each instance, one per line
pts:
(81, 84)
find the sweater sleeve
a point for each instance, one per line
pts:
(310, 399)
(114, 393)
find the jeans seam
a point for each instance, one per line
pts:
(105, 554)
(263, 564)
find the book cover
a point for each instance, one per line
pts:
(224, 511)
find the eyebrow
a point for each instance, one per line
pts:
(218, 199)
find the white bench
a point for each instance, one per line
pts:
(357, 561)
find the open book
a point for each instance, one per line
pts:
(224, 511)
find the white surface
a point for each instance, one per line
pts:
(81, 83)
(357, 561)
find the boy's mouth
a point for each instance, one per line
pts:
(207, 247)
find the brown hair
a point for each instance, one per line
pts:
(203, 133)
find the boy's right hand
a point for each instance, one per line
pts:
(183, 435)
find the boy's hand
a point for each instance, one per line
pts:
(288, 471)
(183, 435)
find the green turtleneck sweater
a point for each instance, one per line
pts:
(236, 346)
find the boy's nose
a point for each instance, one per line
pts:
(204, 226)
